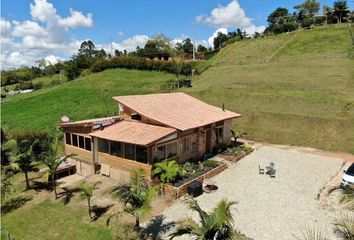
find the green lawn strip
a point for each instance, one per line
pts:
(48, 220)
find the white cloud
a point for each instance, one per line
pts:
(231, 15)
(252, 29)
(131, 43)
(215, 34)
(120, 34)
(28, 28)
(77, 20)
(47, 34)
(51, 59)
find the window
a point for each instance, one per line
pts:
(219, 134)
(160, 153)
(141, 154)
(129, 151)
(103, 146)
(185, 144)
(171, 150)
(74, 136)
(81, 142)
(68, 138)
(116, 148)
(136, 117)
(88, 144)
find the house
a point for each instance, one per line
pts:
(158, 56)
(149, 128)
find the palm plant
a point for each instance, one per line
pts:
(311, 234)
(21, 158)
(345, 225)
(167, 171)
(86, 192)
(136, 196)
(52, 161)
(216, 225)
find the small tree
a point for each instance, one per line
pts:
(21, 158)
(86, 192)
(166, 171)
(52, 161)
(216, 225)
(340, 10)
(136, 196)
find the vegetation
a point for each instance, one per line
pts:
(53, 220)
(21, 158)
(52, 160)
(345, 226)
(136, 196)
(216, 225)
(86, 192)
(166, 171)
(285, 94)
(311, 234)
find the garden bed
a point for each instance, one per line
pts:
(235, 154)
(180, 188)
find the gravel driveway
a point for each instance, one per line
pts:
(271, 208)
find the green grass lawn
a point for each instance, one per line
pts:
(295, 89)
(79, 99)
(52, 220)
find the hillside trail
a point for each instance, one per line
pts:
(275, 53)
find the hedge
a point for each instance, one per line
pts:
(139, 63)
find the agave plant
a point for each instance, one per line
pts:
(216, 225)
(311, 234)
(167, 171)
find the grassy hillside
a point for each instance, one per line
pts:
(295, 88)
(79, 99)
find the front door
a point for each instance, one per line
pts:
(207, 141)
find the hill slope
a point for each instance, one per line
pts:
(295, 88)
(79, 99)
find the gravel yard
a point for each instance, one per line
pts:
(272, 208)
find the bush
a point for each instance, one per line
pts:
(139, 63)
(55, 82)
(37, 86)
(24, 85)
(210, 163)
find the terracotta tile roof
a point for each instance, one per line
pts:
(133, 132)
(177, 110)
(89, 122)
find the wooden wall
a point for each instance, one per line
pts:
(123, 164)
(81, 153)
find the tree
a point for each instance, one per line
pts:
(158, 44)
(327, 11)
(136, 196)
(340, 10)
(187, 45)
(216, 225)
(86, 192)
(117, 53)
(219, 40)
(167, 171)
(21, 158)
(201, 49)
(87, 48)
(280, 21)
(52, 160)
(309, 7)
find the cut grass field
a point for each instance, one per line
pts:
(79, 99)
(295, 89)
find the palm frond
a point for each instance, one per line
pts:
(311, 234)
(222, 215)
(185, 226)
(193, 204)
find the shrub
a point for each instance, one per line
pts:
(210, 163)
(139, 63)
(55, 82)
(37, 86)
(247, 149)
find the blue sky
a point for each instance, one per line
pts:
(33, 29)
